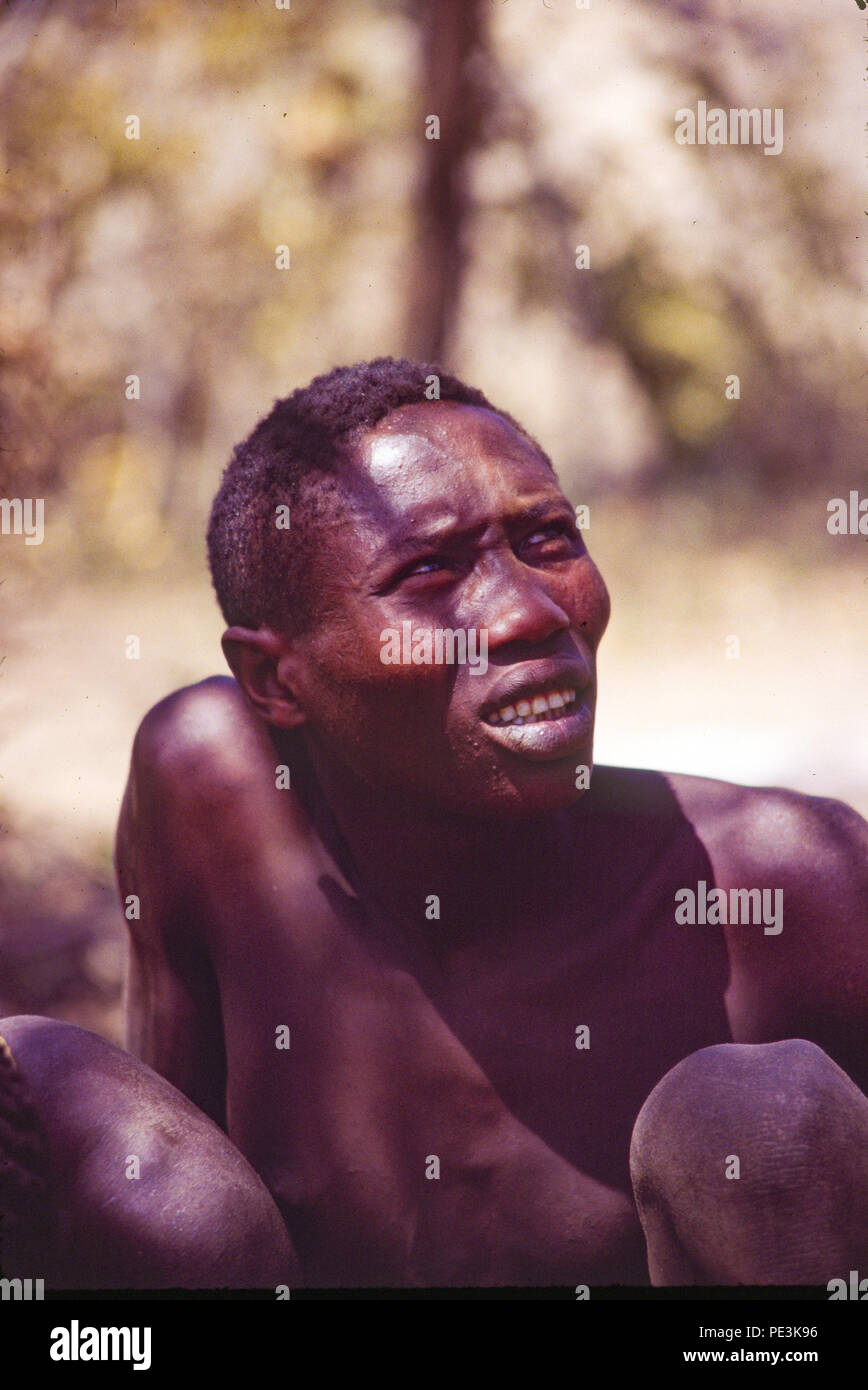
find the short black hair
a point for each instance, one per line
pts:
(290, 460)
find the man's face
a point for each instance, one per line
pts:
(452, 520)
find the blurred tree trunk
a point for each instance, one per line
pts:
(453, 35)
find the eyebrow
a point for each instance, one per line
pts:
(411, 542)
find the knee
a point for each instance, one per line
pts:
(792, 1128)
(43, 1056)
(774, 1102)
(144, 1191)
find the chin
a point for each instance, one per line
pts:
(542, 789)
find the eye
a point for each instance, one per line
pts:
(429, 565)
(555, 539)
(426, 567)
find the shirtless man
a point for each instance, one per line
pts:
(428, 987)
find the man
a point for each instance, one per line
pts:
(423, 963)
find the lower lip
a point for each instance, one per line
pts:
(547, 740)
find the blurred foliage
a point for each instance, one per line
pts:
(305, 127)
(156, 256)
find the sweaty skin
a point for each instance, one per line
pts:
(449, 1033)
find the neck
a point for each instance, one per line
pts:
(487, 875)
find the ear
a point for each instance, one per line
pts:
(262, 662)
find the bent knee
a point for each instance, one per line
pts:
(38, 1043)
(782, 1099)
(750, 1164)
(147, 1190)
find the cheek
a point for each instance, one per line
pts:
(587, 601)
(359, 700)
(600, 602)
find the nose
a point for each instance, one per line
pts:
(516, 606)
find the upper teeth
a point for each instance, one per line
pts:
(534, 708)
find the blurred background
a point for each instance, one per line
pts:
(737, 643)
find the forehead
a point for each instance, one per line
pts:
(443, 458)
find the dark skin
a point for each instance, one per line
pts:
(455, 1036)
(192, 1214)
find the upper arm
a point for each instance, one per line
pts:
(212, 849)
(827, 977)
(173, 1020)
(810, 980)
(173, 1015)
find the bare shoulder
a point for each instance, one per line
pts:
(211, 698)
(204, 750)
(206, 728)
(753, 832)
(206, 763)
(200, 757)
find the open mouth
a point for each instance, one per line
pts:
(537, 709)
(545, 724)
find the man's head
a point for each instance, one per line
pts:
(411, 516)
(290, 460)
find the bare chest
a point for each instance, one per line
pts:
(507, 1071)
